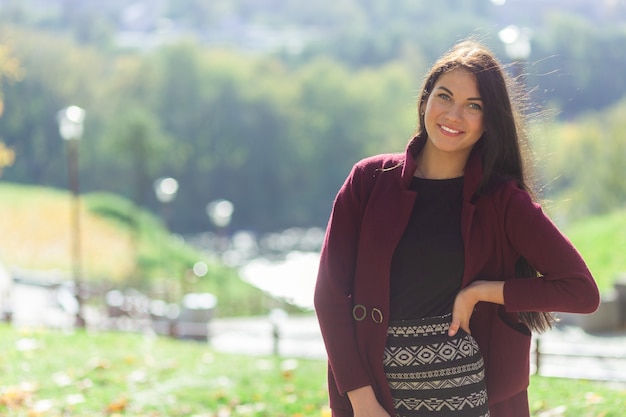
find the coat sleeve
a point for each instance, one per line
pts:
(566, 284)
(334, 287)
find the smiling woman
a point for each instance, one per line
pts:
(437, 263)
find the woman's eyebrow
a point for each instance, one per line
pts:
(447, 90)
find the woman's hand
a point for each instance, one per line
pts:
(365, 404)
(468, 297)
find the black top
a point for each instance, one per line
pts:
(427, 265)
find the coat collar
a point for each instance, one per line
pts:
(473, 169)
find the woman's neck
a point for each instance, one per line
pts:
(438, 165)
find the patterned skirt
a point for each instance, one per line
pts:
(433, 374)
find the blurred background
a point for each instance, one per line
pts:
(171, 147)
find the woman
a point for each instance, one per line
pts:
(437, 263)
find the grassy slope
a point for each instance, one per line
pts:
(36, 234)
(602, 242)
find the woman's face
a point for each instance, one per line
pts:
(453, 115)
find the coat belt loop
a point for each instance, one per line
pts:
(359, 312)
(377, 315)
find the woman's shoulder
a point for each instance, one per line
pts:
(382, 161)
(369, 171)
(506, 190)
(513, 198)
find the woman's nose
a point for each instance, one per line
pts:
(454, 113)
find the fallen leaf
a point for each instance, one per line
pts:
(130, 360)
(99, 363)
(593, 398)
(17, 396)
(117, 406)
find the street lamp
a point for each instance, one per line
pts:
(516, 45)
(165, 190)
(70, 122)
(220, 212)
(277, 317)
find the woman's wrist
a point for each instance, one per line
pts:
(488, 291)
(362, 398)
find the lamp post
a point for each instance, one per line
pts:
(70, 122)
(165, 190)
(220, 212)
(277, 317)
(517, 46)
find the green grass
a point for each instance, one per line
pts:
(602, 242)
(119, 241)
(576, 398)
(50, 374)
(55, 374)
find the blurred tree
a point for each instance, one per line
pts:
(49, 84)
(197, 14)
(15, 12)
(274, 137)
(583, 163)
(346, 116)
(141, 145)
(383, 32)
(90, 23)
(10, 71)
(227, 114)
(578, 65)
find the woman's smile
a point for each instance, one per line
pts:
(449, 130)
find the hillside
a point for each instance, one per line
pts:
(35, 234)
(602, 241)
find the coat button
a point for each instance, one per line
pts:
(377, 315)
(359, 312)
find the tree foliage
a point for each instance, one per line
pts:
(10, 71)
(583, 164)
(575, 65)
(274, 140)
(276, 133)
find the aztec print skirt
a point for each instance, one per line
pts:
(433, 374)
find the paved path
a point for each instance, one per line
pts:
(566, 352)
(299, 337)
(572, 353)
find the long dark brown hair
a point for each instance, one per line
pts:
(503, 146)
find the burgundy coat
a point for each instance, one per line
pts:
(369, 216)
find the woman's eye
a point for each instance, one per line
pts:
(475, 106)
(444, 96)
